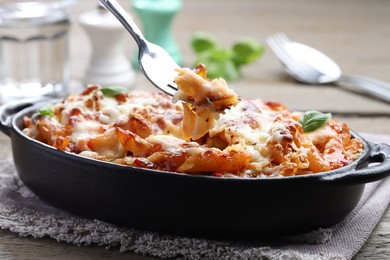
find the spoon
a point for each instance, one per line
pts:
(311, 66)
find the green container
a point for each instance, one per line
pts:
(157, 17)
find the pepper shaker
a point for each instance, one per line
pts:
(157, 17)
(108, 64)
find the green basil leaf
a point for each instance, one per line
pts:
(219, 64)
(312, 120)
(46, 111)
(201, 42)
(246, 51)
(224, 62)
(112, 91)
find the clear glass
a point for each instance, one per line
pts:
(34, 49)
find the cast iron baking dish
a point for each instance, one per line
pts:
(200, 206)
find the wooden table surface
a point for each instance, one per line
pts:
(355, 33)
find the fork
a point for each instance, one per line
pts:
(295, 67)
(309, 65)
(156, 64)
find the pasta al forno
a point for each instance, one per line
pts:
(204, 130)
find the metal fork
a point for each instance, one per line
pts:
(295, 67)
(309, 65)
(156, 64)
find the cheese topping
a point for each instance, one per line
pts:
(207, 130)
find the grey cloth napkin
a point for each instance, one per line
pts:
(25, 214)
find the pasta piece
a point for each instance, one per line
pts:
(136, 125)
(134, 144)
(215, 160)
(204, 101)
(168, 161)
(105, 144)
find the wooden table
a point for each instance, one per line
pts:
(355, 33)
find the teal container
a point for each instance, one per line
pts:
(157, 17)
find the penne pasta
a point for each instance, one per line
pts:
(204, 130)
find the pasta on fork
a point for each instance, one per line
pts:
(203, 100)
(205, 130)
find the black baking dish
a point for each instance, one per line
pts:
(201, 206)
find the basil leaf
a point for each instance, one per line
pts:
(201, 42)
(219, 64)
(224, 62)
(46, 111)
(112, 91)
(246, 51)
(226, 70)
(312, 120)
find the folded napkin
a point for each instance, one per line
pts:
(25, 214)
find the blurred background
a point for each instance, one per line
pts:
(355, 33)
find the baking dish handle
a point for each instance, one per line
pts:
(364, 173)
(8, 111)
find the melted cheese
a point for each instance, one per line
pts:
(85, 129)
(247, 139)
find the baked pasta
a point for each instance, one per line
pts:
(205, 130)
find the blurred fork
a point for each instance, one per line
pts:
(295, 67)
(157, 65)
(310, 66)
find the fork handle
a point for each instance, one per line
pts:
(369, 86)
(116, 9)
